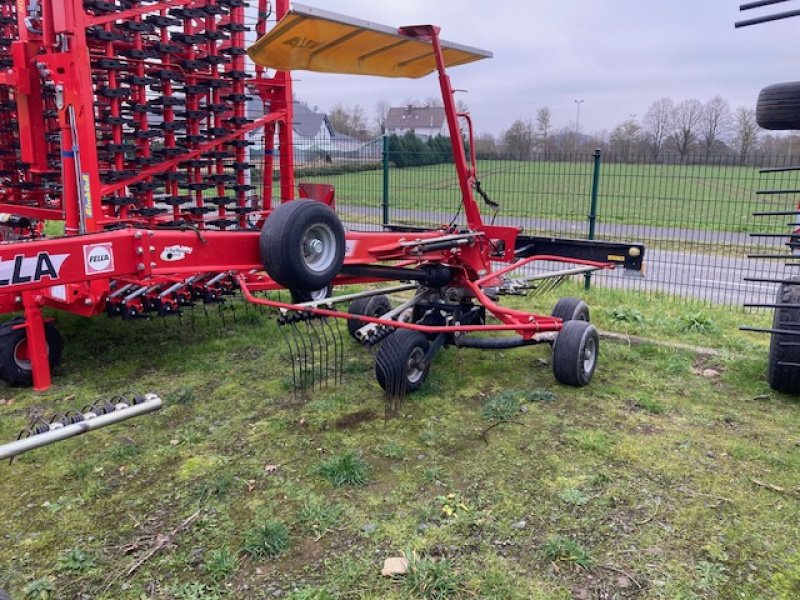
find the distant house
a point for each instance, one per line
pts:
(315, 139)
(424, 122)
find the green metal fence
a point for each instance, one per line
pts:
(696, 216)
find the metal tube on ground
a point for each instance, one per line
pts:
(60, 432)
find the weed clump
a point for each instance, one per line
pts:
(268, 539)
(219, 564)
(431, 579)
(344, 469)
(564, 549)
(318, 517)
(501, 407)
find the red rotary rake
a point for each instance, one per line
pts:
(127, 121)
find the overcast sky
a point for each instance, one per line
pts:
(617, 55)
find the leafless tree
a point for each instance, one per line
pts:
(485, 144)
(543, 127)
(716, 123)
(518, 140)
(747, 131)
(624, 138)
(685, 125)
(656, 121)
(381, 111)
(349, 120)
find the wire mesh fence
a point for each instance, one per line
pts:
(695, 216)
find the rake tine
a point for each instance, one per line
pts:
(312, 333)
(233, 311)
(304, 367)
(338, 345)
(327, 344)
(282, 327)
(221, 314)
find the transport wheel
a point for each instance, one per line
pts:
(398, 363)
(575, 353)
(571, 309)
(15, 363)
(299, 296)
(302, 245)
(372, 306)
(785, 348)
(778, 106)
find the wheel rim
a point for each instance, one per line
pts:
(589, 355)
(22, 355)
(319, 247)
(414, 370)
(319, 294)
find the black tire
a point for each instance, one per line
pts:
(782, 348)
(778, 106)
(571, 309)
(396, 363)
(300, 296)
(16, 370)
(285, 248)
(575, 353)
(372, 306)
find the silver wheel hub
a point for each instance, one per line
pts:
(414, 369)
(319, 247)
(589, 355)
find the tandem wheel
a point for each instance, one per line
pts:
(371, 306)
(575, 353)
(400, 364)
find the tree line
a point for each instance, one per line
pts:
(670, 131)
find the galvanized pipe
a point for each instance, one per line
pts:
(345, 297)
(92, 421)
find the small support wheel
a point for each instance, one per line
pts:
(571, 309)
(575, 353)
(302, 245)
(372, 306)
(300, 296)
(782, 373)
(400, 365)
(15, 362)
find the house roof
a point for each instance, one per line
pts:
(307, 123)
(408, 117)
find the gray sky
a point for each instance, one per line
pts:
(617, 55)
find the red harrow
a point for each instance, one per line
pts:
(127, 122)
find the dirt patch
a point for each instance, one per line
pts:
(352, 419)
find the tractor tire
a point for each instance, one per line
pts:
(300, 296)
(302, 245)
(571, 309)
(784, 348)
(575, 353)
(372, 306)
(778, 106)
(15, 366)
(397, 366)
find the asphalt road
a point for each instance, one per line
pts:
(715, 276)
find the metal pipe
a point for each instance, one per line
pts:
(366, 294)
(59, 432)
(759, 4)
(364, 332)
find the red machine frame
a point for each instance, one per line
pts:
(109, 247)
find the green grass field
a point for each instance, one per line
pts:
(656, 481)
(695, 197)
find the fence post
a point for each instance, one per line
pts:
(385, 200)
(587, 284)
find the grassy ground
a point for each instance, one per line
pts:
(653, 482)
(684, 196)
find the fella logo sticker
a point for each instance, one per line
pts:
(27, 269)
(98, 258)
